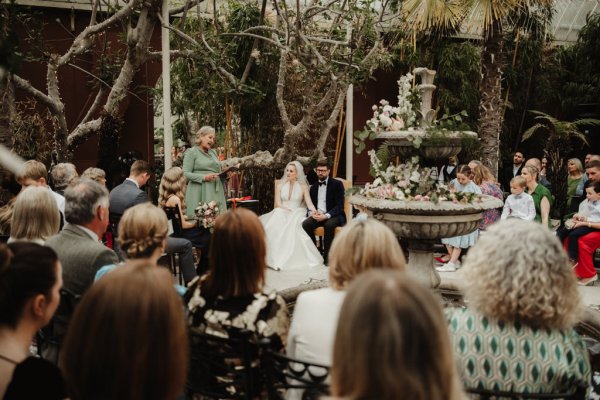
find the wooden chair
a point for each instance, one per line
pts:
(223, 368)
(174, 215)
(283, 373)
(484, 394)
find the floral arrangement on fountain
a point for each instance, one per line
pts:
(408, 182)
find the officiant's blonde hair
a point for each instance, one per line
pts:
(362, 245)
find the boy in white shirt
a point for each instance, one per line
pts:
(581, 223)
(519, 204)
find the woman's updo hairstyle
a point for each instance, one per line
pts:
(142, 229)
(26, 270)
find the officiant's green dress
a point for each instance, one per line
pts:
(197, 164)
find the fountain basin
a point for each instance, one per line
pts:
(434, 146)
(423, 224)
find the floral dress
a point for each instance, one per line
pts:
(492, 215)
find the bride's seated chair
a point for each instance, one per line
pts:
(320, 231)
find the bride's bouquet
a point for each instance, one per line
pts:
(206, 214)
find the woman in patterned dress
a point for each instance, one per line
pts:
(517, 332)
(483, 177)
(231, 297)
(201, 167)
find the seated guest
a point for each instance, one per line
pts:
(542, 198)
(171, 193)
(483, 177)
(127, 338)
(518, 204)
(36, 174)
(35, 217)
(358, 247)
(231, 297)
(535, 162)
(77, 245)
(95, 174)
(62, 176)
(392, 343)
(30, 280)
(143, 234)
(575, 186)
(523, 303)
(584, 269)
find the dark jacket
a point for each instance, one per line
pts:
(334, 198)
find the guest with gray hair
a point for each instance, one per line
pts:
(62, 176)
(95, 174)
(78, 245)
(535, 162)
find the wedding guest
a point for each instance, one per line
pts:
(171, 193)
(454, 245)
(544, 169)
(95, 174)
(143, 235)
(448, 171)
(201, 167)
(535, 162)
(575, 186)
(519, 204)
(127, 338)
(35, 217)
(483, 177)
(542, 198)
(30, 280)
(513, 170)
(521, 294)
(392, 342)
(232, 296)
(36, 174)
(62, 176)
(358, 247)
(581, 223)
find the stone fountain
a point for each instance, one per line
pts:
(423, 223)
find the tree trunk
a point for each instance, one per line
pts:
(490, 117)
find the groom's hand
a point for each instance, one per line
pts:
(319, 216)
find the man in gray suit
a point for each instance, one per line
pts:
(128, 193)
(78, 245)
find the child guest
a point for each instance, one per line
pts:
(519, 204)
(462, 183)
(581, 223)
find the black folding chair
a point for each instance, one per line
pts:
(283, 373)
(50, 337)
(223, 368)
(174, 215)
(484, 394)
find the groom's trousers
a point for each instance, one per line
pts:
(310, 224)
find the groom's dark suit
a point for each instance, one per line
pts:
(334, 203)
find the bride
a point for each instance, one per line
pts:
(288, 245)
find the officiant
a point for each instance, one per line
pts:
(202, 169)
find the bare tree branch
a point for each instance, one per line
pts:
(40, 96)
(285, 119)
(95, 105)
(189, 4)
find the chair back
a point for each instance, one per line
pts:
(223, 368)
(4, 238)
(174, 215)
(484, 394)
(50, 337)
(283, 373)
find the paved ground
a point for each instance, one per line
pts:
(280, 280)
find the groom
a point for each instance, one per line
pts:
(327, 194)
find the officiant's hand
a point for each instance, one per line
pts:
(211, 177)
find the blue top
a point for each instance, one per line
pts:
(107, 268)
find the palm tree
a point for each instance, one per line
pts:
(488, 17)
(560, 137)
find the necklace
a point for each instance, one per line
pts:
(10, 360)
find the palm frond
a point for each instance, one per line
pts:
(434, 14)
(583, 122)
(529, 132)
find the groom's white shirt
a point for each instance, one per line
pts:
(322, 197)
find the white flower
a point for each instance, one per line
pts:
(374, 108)
(397, 124)
(387, 108)
(377, 182)
(415, 176)
(384, 102)
(385, 120)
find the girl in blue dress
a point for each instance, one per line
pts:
(454, 245)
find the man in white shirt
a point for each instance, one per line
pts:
(36, 174)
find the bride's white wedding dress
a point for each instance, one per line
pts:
(288, 246)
